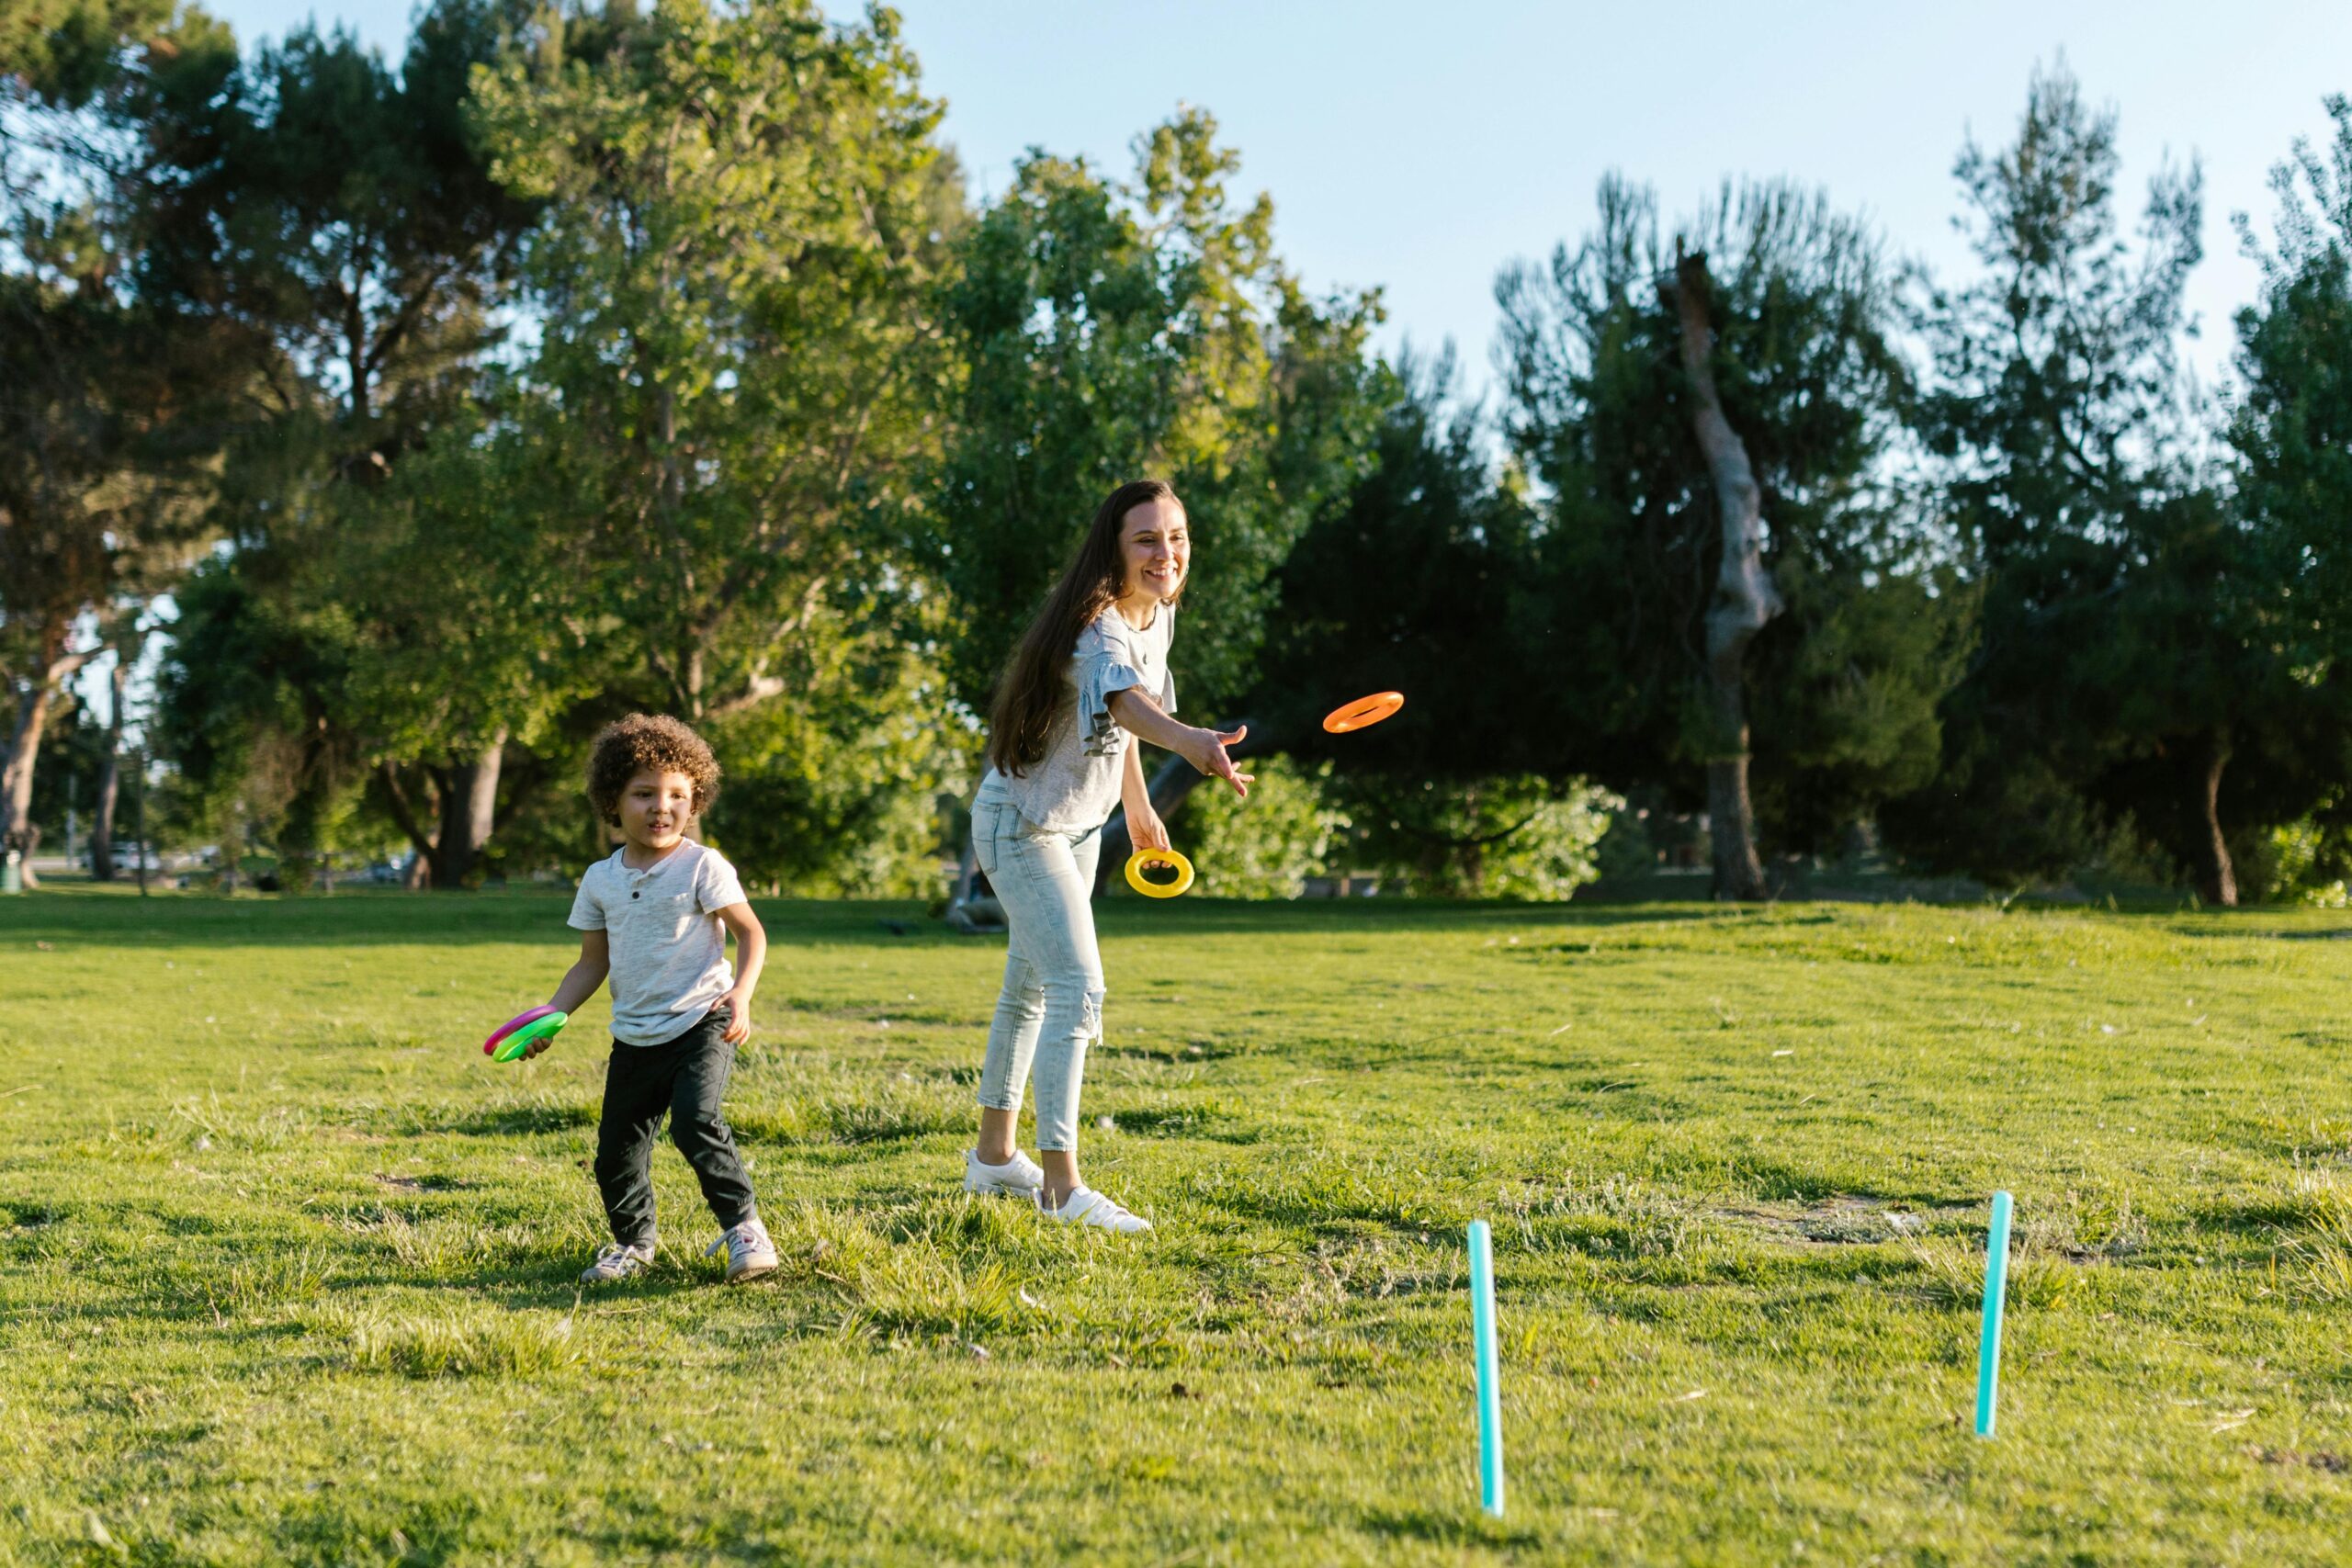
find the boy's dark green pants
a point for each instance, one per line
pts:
(683, 1079)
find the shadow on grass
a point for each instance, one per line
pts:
(1187, 1121)
(1448, 1527)
(535, 916)
(530, 915)
(421, 1531)
(523, 1121)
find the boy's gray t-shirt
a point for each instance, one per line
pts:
(668, 949)
(1075, 786)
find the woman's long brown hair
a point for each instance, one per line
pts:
(1031, 687)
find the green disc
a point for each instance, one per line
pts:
(514, 1046)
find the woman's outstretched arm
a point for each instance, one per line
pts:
(1205, 748)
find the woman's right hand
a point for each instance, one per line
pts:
(1205, 748)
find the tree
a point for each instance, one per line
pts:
(1644, 636)
(99, 469)
(466, 636)
(1407, 584)
(67, 51)
(1745, 599)
(120, 640)
(745, 211)
(745, 215)
(344, 215)
(1110, 330)
(338, 219)
(2291, 429)
(2125, 667)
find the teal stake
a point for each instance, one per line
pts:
(1996, 1285)
(1491, 1393)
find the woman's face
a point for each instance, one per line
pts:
(1156, 544)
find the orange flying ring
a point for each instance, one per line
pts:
(1363, 711)
(1150, 889)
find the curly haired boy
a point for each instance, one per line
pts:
(654, 917)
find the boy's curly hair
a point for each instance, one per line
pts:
(642, 740)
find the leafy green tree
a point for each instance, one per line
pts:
(2126, 670)
(338, 219)
(1113, 328)
(341, 212)
(745, 211)
(1408, 582)
(1503, 836)
(2291, 429)
(1620, 675)
(467, 642)
(1266, 846)
(1411, 582)
(831, 789)
(745, 218)
(100, 471)
(65, 52)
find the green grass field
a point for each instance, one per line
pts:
(286, 1265)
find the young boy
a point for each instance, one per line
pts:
(654, 917)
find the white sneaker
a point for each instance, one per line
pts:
(1085, 1206)
(750, 1253)
(620, 1260)
(1020, 1175)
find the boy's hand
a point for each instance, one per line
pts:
(543, 1042)
(739, 1022)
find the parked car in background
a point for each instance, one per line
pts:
(126, 859)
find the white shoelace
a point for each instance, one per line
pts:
(737, 1242)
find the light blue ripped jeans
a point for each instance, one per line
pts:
(1051, 1007)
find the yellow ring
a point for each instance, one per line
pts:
(1141, 858)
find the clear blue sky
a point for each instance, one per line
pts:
(1419, 146)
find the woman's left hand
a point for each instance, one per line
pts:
(1145, 830)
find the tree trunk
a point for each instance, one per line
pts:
(232, 849)
(139, 824)
(102, 867)
(2217, 878)
(1745, 598)
(17, 774)
(419, 874)
(469, 810)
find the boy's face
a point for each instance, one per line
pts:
(655, 807)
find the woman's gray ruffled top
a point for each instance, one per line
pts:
(1074, 787)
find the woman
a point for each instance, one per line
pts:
(1088, 679)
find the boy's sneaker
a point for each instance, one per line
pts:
(750, 1253)
(1084, 1206)
(620, 1260)
(1020, 1175)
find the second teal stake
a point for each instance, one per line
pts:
(1997, 1286)
(1490, 1396)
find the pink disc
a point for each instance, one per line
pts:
(490, 1046)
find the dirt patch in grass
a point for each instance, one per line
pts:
(423, 1183)
(1843, 1219)
(2332, 1463)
